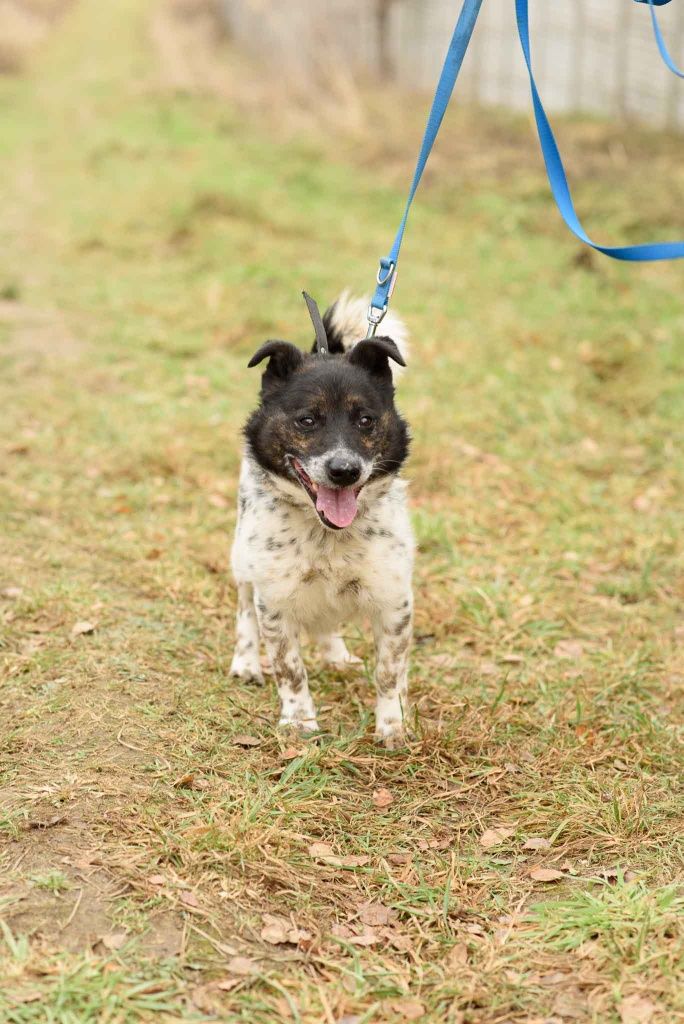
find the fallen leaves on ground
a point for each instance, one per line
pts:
(536, 843)
(540, 874)
(376, 914)
(382, 798)
(113, 941)
(290, 753)
(279, 931)
(495, 837)
(243, 740)
(572, 650)
(242, 966)
(457, 956)
(571, 1004)
(636, 1010)
(408, 1008)
(324, 852)
(83, 628)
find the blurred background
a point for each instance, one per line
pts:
(590, 57)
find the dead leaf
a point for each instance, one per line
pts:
(457, 956)
(25, 995)
(278, 930)
(368, 937)
(290, 753)
(636, 1010)
(408, 1008)
(242, 966)
(554, 978)
(376, 914)
(115, 940)
(443, 660)
(382, 798)
(156, 880)
(324, 852)
(495, 836)
(275, 931)
(589, 950)
(570, 1003)
(435, 844)
(398, 940)
(320, 851)
(570, 649)
(58, 819)
(190, 781)
(12, 592)
(189, 899)
(242, 740)
(399, 858)
(539, 874)
(83, 628)
(227, 984)
(536, 843)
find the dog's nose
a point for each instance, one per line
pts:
(342, 470)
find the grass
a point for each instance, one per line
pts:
(155, 866)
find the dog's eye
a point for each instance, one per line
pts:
(306, 422)
(366, 422)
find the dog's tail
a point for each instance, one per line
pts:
(345, 324)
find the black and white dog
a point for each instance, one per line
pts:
(323, 533)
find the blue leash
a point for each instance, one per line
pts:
(387, 272)
(664, 52)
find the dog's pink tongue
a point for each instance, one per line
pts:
(339, 506)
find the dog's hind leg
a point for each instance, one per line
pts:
(282, 645)
(393, 630)
(333, 651)
(246, 664)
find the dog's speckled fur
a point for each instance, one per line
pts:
(296, 574)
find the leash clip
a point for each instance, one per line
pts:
(375, 316)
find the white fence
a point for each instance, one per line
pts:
(597, 56)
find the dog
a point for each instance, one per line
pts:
(323, 534)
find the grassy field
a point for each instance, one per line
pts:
(166, 854)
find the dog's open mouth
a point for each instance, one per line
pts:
(336, 506)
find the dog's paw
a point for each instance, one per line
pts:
(298, 725)
(344, 662)
(247, 670)
(334, 653)
(391, 735)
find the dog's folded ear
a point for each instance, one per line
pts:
(373, 354)
(283, 359)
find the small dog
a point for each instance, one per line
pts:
(323, 533)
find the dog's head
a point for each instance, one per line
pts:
(327, 425)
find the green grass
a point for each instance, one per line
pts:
(150, 240)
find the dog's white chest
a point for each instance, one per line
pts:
(317, 577)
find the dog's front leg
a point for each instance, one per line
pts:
(245, 664)
(393, 630)
(282, 644)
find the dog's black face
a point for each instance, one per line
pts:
(329, 423)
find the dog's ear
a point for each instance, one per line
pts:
(373, 354)
(283, 359)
